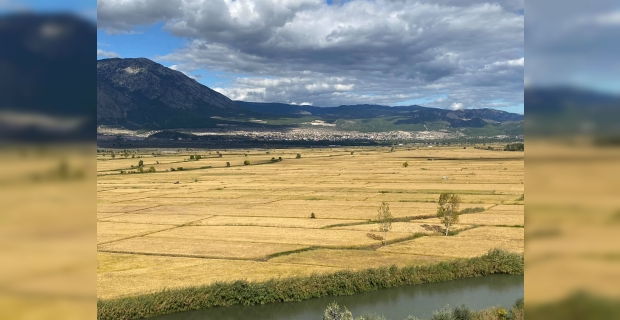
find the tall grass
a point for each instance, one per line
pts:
(302, 288)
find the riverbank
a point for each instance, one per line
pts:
(302, 288)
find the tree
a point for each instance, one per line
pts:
(298, 156)
(448, 209)
(385, 220)
(191, 157)
(228, 164)
(140, 163)
(198, 157)
(333, 313)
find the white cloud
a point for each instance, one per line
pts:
(456, 106)
(107, 54)
(361, 51)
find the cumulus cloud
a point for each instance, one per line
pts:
(456, 106)
(106, 54)
(359, 51)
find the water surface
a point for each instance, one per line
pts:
(394, 303)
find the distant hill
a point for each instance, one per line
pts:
(139, 93)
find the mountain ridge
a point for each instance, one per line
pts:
(138, 93)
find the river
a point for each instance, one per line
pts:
(394, 303)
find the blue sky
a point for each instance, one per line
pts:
(269, 55)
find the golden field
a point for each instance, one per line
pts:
(254, 222)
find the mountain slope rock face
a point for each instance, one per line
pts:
(143, 93)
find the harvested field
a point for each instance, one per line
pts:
(209, 222)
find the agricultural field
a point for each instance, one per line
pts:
(212, 221)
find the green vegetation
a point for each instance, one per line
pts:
(514, 147)
(306, 287)
(405, 164)
(384, 218)
(298, 156)
(472, 210)
(246, 162)
(332, 312)
(448, 209)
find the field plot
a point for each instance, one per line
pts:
(212, 222)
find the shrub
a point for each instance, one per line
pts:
(333, 313)
(140, 163)
(312, 216)
(462, 313)
(179, 168)
(279, 158)
(220, 155)
(246, 162)
(191, 157)
(274, 160)
(152, 169)
(173, 169)
(472, 210)
(443, 314)
(198, 157)
(298, 156)
(228, 164)
(405, 164)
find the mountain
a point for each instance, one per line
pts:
(46, 77)
(139, 93)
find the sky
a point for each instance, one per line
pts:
(445, 53)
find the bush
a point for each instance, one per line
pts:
(173, 169)
(228, 164)
(298, 156)
(443, 314)
(405, 164)
(198, 157)
(140, 163)
(462, 313)
(333, 313)
(191, 157)
(274, 160)
(152, 169)
(246, 162)
(472, 210)
(312, 216)
(279, 158)
(179, 168)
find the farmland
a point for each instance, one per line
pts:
(212, 222)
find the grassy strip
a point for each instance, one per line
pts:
(301, 288)
(362, 247)
(400, 219)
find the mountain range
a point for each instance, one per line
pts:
(142, 94)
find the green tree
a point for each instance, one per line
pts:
(448, 209)
(333, 313)
(384, 218)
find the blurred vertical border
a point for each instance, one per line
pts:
(572, 163)
(47, 163)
